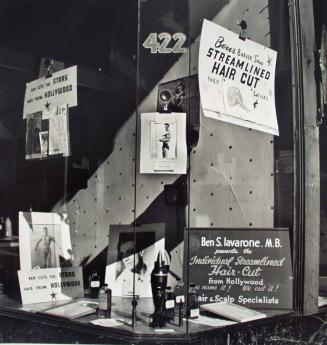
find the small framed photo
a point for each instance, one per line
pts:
(163, 143)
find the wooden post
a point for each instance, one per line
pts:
(307, 215)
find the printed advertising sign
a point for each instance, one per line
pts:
(251, 268)
(45, 93)
(51, 284)
(237, 79)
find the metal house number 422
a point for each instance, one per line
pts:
(158, 43)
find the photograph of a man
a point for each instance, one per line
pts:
(46, 249)
(163, 139)
(131, 256)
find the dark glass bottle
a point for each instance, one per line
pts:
(102, 308)
(170, 303)
(193, 303)
(2, 227)
(179, 292)
(94, 285)
(109, 300)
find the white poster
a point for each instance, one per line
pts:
(237, 79)
(51, 284)
(163, 143)
(59, 132)
(46, 93)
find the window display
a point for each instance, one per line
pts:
(151, 217)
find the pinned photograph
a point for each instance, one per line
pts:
(163, 143)
(45, 245)
(59, 132)
(44, 240)
(44, 141)
(163, 140)
(33, 130)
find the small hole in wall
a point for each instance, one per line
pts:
(194, 180)
(194, 209)
(271, 141)
(95, 199)
(120, 173)
(119, 198)
(211, 134)
(230, 147)
(250, 129)
(194, 151)
(107, 211)
(108, 162)
(211, 194)
(95, 223)
(107, 187)
(250, 224)
(120, 149)
(96, 176)
(133, 134)
(147, 197)
(95, 246)
(250, 160)
(271, 174)
(272, 207)
(250, 191)
(161, 182)
(211, 224)
(84, 211)
(133, 160)
(133, 211)
(84, 235)
(211, 164)
(231, 208)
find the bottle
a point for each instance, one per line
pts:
(2, 227)
(8, 227)
(94, 284)
(193, 303)
(109, 300)
(170, 303)
(1, 281)
(179, 291)
(103, 302)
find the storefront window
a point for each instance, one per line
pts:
(148, 207)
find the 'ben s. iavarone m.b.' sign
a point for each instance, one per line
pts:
(250, 267)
